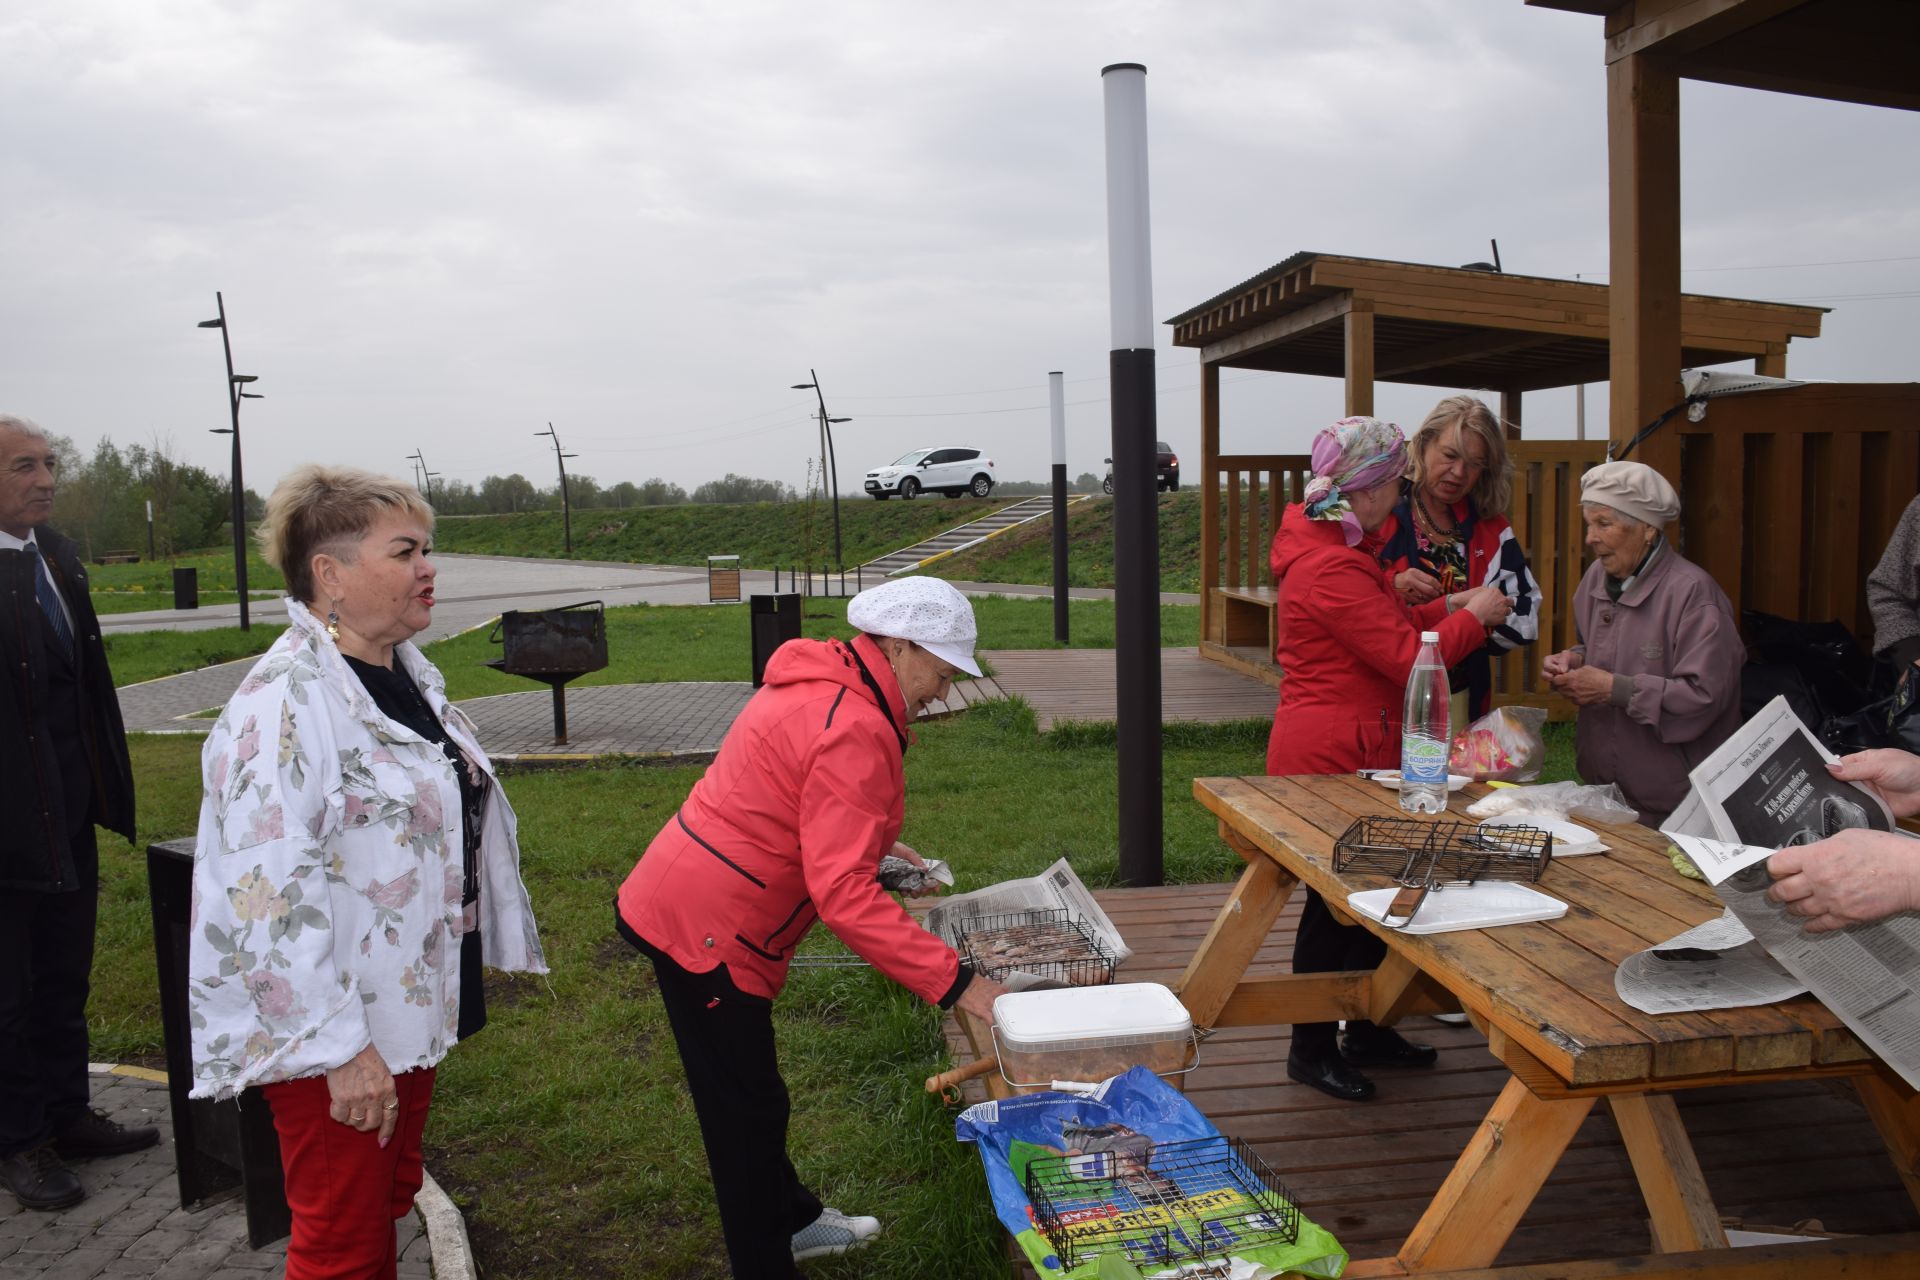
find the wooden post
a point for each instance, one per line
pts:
(1359, 325)
(1643, 188)
(1773, 364)
(1210, 604)
(1510, 414)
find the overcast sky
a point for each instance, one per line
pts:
(441, 224)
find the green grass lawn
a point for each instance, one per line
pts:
(564, 1130)
(649, 643)
(135, 656)
(131, 588)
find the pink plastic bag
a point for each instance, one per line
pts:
(1505, 745)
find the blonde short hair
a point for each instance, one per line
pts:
(316, 508)
(1493, 491)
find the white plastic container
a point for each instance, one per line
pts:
(1085, 1034)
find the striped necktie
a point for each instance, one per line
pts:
(50, 599)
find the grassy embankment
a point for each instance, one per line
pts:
(129, 588)
(765, 535)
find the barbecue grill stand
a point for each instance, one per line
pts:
(553, 646)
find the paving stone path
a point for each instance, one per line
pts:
(131, 1224)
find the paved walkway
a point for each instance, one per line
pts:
(131, 1223)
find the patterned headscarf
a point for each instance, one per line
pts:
(1352, 455)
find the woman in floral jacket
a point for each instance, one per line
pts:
(354, 850)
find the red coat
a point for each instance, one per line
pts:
(789, 825)
(1347, 644)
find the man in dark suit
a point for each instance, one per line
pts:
(63, 760)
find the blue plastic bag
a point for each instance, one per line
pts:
(1136, 1109)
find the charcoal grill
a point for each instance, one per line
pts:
(553, 646)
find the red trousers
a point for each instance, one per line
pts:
(345, 1191)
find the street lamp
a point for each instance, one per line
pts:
(236, 383)
(421, 472)
(566, 503)
(826, 431)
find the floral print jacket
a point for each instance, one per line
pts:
(326, 882)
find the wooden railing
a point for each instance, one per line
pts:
(1547, 524)
(1256, 489)
(1788, 497)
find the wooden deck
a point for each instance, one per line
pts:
(1078, 684)
(1773, 1154)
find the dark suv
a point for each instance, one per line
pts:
(1166, 468)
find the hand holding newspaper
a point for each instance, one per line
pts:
(1768, 788)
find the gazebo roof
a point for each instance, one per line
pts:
(1456, 327)
(1848, 50)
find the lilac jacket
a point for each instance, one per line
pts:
(1675, 653)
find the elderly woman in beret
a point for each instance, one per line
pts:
(1657, 675)
(354, 850)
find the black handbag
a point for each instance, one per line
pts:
(1891, 722)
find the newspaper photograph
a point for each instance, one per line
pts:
(1056, 888)
(1768, 788)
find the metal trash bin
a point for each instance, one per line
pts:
(776, 620)
(553, 646)
(216, 1145)
(186, 588)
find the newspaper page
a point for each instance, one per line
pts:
(1716, 965)
(1053, 889)
(1766, 788)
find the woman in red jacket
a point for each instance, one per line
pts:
(1346, 646)
(788, 826)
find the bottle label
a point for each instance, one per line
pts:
(1422, 759)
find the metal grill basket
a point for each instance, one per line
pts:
(1052, 943)
(1423, 856)
(1189, 1205)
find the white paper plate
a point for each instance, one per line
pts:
(1391, 778)
(1455, 907)
(1569, 840)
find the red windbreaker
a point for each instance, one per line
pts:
(789, 825)
(1347, 644)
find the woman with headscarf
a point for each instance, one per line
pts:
(1450, 532)
(788, 826)
(1347, 644)
(1657, 675)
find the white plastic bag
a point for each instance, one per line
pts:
(1505, 745)
(1559, 800)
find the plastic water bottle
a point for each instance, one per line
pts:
(1426, 731)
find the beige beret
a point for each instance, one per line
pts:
(1631, 488)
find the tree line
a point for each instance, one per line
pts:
(503, 495)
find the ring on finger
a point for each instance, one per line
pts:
(393, 1105)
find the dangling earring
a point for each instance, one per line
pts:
(333, 624)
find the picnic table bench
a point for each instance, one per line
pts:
(1543, 995)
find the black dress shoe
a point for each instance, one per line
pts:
(39, 1181)
(95, 1134)
(1384, 1047)
(1331, 1076)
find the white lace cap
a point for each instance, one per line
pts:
(927, 611)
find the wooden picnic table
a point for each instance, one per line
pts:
(1543, 995)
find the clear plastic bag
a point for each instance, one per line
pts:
(1505, 745)
(1559, 800)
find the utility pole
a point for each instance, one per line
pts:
(421, 473)
(833, 467)
(566, 503)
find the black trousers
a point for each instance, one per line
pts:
(726, 1045)
(46, 956)
(1324, 945)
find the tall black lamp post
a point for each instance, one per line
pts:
(423, 478)
(236, 384)
(826, 430)
(566, 502)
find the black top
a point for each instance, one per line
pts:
(394, 692)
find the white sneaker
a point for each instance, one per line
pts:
(833, 1232)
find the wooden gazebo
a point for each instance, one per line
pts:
(1368, 320)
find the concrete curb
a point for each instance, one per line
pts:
(446, 1232)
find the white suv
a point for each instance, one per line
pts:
(952, 471)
